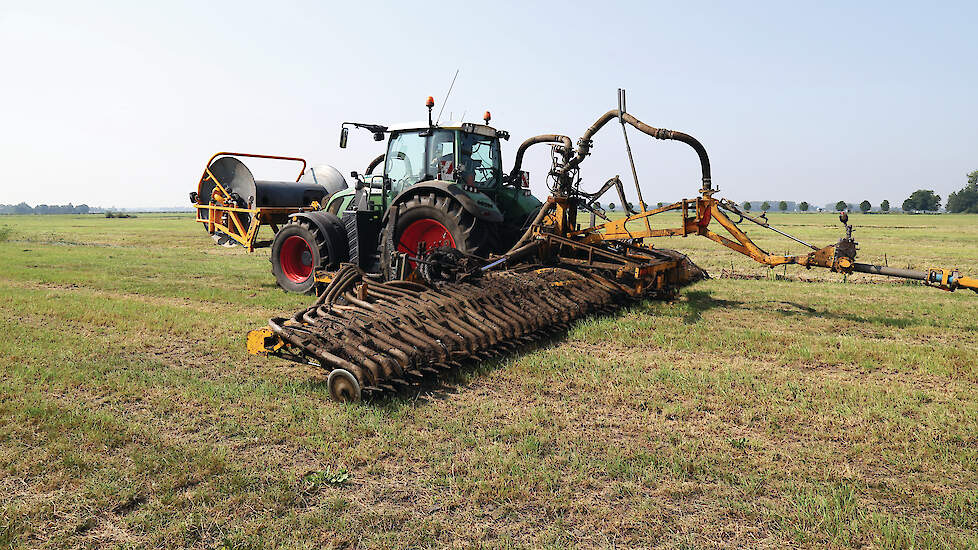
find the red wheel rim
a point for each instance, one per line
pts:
(427, 231)
(295, 257)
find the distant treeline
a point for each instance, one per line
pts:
(24, 208)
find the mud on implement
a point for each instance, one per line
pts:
(378, 336)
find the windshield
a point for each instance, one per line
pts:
(483, 166)
(413, 157)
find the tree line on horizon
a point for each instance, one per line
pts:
(921, 200)
(24, 208)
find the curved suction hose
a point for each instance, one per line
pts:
(374, 163)
(584, 144)
(543, 138)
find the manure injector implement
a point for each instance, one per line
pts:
(444, 258)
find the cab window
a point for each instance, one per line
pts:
(441, 155)
(482, 166)
(405, 163)
(414, 156)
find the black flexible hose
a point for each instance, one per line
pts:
(543, 138)
(584, 144)
(373, 164)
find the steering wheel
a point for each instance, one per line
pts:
(483, 175)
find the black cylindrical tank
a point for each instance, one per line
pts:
(238, 180)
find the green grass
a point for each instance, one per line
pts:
(747, 413)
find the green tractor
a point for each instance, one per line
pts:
(442, 185)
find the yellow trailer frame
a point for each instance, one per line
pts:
(221, 213)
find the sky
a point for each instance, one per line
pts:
(120, 104)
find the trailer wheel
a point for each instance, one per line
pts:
(302, 247)
(432, 221)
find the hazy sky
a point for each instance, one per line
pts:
(121, 104)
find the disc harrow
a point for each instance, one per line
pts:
(376, 337)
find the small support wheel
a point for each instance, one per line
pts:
(343, 386)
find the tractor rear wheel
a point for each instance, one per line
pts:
(424, 222)
(302, 247)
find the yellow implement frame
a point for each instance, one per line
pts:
(695, 218)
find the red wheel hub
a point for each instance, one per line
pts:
(427, 231)
(295, 258)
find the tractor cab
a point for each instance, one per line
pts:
(466, 154)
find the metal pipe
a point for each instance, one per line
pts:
(544, 210)
(628, 149)
(728, 205)
(512, 256)
(945, 279)
(613, 182)
(891, 271)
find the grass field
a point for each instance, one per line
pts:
(747, 413)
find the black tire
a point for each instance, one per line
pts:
(302, 247)
(470, 234)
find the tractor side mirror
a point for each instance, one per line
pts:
(344, 134)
